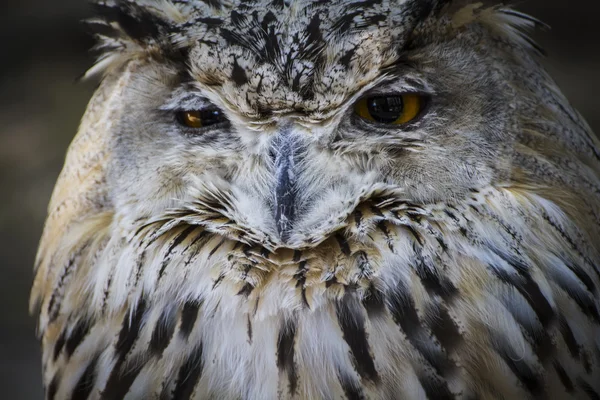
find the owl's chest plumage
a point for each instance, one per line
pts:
(403, 302)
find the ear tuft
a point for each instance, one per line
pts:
(126, 28)
(136, 21)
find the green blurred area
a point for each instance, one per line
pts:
(45, 50)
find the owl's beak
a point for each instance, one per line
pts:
(285, 154)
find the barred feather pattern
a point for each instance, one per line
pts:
(489, 293)
(404, 301)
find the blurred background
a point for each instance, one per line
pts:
(45, 50)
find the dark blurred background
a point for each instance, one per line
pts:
(44, 50)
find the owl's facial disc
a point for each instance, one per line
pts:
(264, 150)
(289, 178)
(292, 153)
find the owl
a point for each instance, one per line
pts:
(342, 199)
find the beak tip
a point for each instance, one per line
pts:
(283, 224)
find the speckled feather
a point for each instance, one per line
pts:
(453, 258)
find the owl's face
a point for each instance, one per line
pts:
(284, 122)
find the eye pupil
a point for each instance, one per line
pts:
(385, 109)
(201, 118)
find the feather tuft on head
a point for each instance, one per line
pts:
(127, 29)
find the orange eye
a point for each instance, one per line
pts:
(201, 118)
(392, 110)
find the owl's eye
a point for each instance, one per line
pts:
(201, 118)
(393, 110)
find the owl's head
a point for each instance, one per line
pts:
(273, 120)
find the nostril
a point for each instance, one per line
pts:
(273, 153)
(337, 138)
